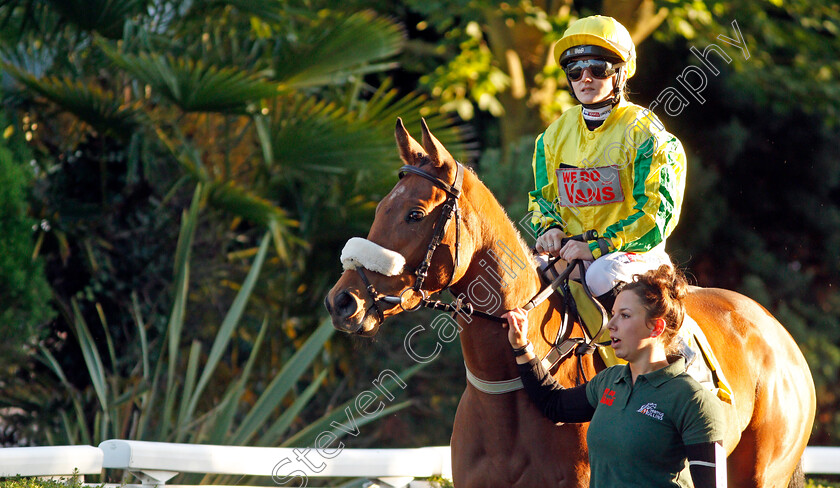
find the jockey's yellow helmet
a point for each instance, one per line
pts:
(600, 36)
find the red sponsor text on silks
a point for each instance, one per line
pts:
(588, 186)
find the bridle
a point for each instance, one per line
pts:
(449, 210)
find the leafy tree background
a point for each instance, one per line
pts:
(282, 112)
(24, 287)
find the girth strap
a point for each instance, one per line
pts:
(493, 387)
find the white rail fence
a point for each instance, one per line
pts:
(154, 463)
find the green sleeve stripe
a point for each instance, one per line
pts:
(667, 204)
(656, 234)
(540, 174)
(641, 169)
(539, 204)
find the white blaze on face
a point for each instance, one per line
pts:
(359, 252)
(397, 192)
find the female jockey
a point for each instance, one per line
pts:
(607, 165)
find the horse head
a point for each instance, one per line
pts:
(414, 243)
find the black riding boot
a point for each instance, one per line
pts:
(608, 298)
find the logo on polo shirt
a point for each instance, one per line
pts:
(650, 410)
(608, 397)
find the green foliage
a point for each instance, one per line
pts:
(440, 482)
(192, 85)
(24, 292)
(72, 482)
(510, 183)
(176, 393)
(820, 483)
(784, 41)
(282, 114)
(470, 78)
(322, 56)
(491, 49)
(90, 103)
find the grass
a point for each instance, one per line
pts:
(75, 482)
(436, 481)
(819, 483)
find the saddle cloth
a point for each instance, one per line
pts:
(700, 361)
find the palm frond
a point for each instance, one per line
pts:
(27, 56)
(308, 135)
(386, 105)
(270, 10)
(191, 84)
(226, 46)
(19, 17)
(338, 49)
(314, 135)
(103, 16)
(244, 203)
(102, 110)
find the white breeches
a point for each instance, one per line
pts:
(603, 274)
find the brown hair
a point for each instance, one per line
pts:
(662, 291)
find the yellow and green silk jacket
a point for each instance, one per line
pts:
(624, 179)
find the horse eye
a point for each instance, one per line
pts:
(415, 216)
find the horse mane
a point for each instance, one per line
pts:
(496, 223)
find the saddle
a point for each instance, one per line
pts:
(700, 360)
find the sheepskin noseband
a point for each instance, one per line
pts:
(359, 252)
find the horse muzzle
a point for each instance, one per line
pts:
(349, 313)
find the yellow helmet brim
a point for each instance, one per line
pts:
(601, 31)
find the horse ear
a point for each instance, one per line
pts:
(411, 152)
(437, 153)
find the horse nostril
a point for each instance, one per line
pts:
(327, 304)
(345, 304)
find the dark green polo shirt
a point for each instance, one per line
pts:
(638, 434)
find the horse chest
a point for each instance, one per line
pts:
(508, 443)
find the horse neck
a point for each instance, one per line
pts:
(501, 275)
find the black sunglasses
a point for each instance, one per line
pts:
(600, 68)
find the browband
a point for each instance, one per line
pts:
(453, 190)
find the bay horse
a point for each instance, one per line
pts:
(452, 232)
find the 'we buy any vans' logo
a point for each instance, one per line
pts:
(578, 187)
